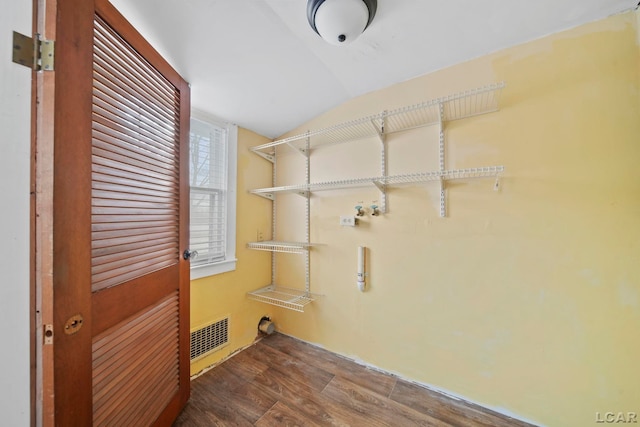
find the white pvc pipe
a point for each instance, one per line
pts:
(360, 273)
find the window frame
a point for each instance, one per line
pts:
(230, 260)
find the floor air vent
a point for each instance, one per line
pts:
(209, 338)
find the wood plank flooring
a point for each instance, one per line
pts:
(281, 381)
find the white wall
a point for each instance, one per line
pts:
(15, 93)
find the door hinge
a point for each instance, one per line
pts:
(36, 54)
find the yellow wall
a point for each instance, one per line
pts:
(526, 300)
(224, 295)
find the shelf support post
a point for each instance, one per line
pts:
(273, 219)
(383, 162)
(443, 195)
(307, 225)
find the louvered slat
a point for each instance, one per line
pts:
(114, 270)
(103, 343)
(108, 370)
(129, 218)
(123, 59)
(127, 241)
(135, 164)
(102, 84)
(131, 259)
(116, 252)
(101, 155)
(101, 163)
(118, 275)
(129, 225)
(107, 375)
(115, 139)
(124, 232)
(115, 176)
(135, 366)
(99, 260)
(147, 177)
(121, 123)
(116, 146)
(110, 256)
(117, 60)
(125, 203)
(107, 98)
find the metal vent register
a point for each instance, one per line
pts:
(209, 338)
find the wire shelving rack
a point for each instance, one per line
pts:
(277, 295)
(429, 113)
(449, 108)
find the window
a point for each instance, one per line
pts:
(212, 178)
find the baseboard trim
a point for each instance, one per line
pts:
(229, 356)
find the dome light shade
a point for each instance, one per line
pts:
(340, 22)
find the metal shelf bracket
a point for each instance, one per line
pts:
(269, 196)
(267, 156)
(303, 151)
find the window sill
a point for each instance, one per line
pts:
(212, 269)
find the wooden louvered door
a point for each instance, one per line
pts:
(121, 299)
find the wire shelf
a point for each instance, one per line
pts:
(292, 299)
(437, 111)
(405, 179)
(285, 247)
(454, 107)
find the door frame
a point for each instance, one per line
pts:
(41, 234)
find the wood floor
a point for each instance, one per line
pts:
(281, 381)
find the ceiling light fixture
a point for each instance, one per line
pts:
(340, 21)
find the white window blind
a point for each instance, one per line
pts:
(208, 180)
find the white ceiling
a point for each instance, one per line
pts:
(259, 64)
